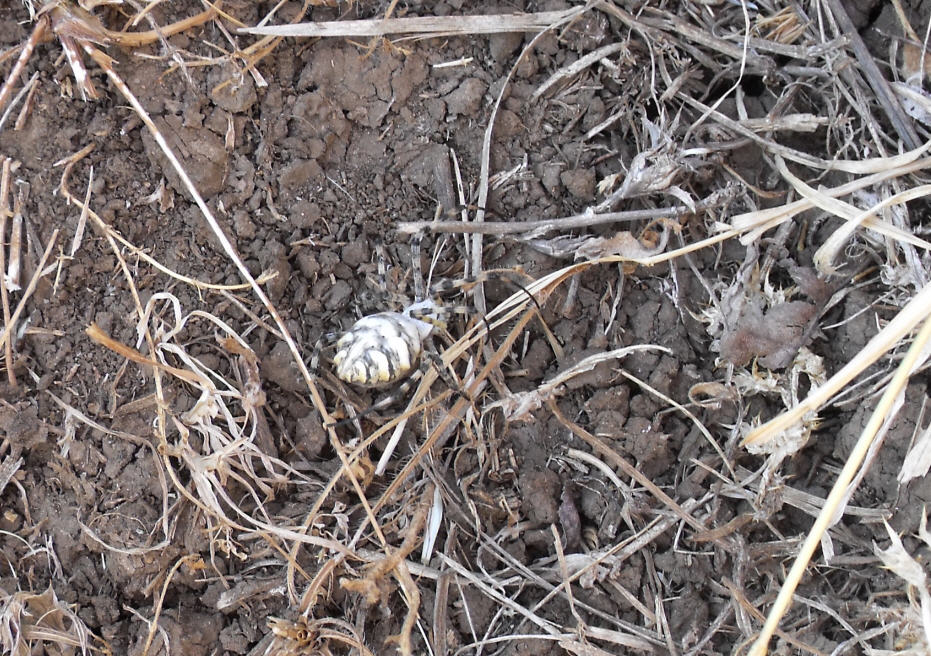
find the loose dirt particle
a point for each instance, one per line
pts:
(231, 89)
(355, 253)
(201, 152)
(467, 98)
(579, 182)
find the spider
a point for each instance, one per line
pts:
(386, 347)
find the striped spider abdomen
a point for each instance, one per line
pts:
(383, 348)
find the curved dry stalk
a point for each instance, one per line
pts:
(476, 242)
(95, 334)
(191, 560)
(104, 62)
(854, 217)
(877, 81)
(30, 288)
(136, 39)
(27, 618)
(604, 450)
(913, 358)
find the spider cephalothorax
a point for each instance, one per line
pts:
(387, 348)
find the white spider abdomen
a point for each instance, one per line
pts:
(380, 348)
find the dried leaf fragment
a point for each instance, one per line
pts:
(773, 336)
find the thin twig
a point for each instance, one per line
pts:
(479, 292)
(37, 33)
(4, 294)
(544, 226)
(27, 90)
(30, 288)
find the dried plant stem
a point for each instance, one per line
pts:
(850, 166)
(105, 63)
(600, 447)
(479, 293)
(30, 288)
(136, 39)
(112, 234)
(840, 489)
(914, 312)
(754, 223)
(153, 623)
(38, 32)
(28, 91)
(94, 332)
(4, 294)
(446, 25)
(887, 99)
(544, 226)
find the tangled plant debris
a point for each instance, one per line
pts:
(692, 239)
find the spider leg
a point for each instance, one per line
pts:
(383, 402)
(382, 261)
(419, 293)
(453, 383)
(326, 340)
(430, 360)
(466, 284)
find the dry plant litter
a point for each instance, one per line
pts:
(756, 156)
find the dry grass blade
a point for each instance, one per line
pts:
(63, 187)
(5, 214)
(917, 463)
(521, 406)
(105, 63)
(30, 288)
(839, 491)
(193, 561)
(897, 558)
(476, 241)
(828, 251)
(95, 333)
(38, 32)
(576, 67)
(874, 76)
(755, 223)
(426, 25)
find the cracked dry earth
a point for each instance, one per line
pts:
(310, 175)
